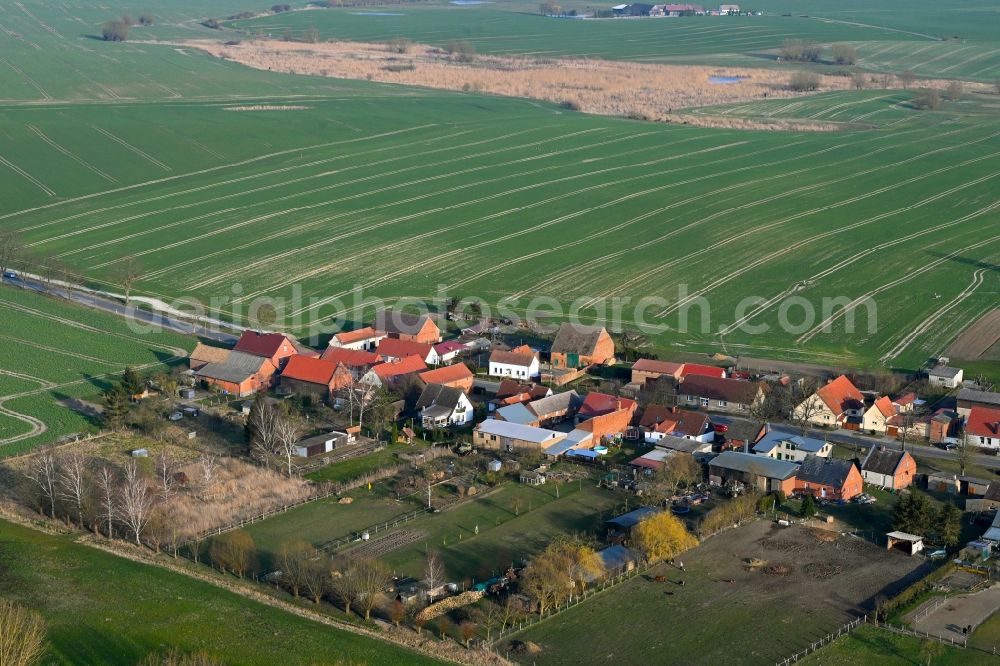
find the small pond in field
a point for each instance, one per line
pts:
(727, 79)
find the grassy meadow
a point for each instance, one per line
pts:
(99, 608)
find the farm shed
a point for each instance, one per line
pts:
(204, 354)
(241, 374)
(319, 444)
(624, 523)
(646, 368)
(518, 413)
(908, 543)
(305, 375)
(494, 465)
(504, 436)
(945, 376)
(275, 347)
(556, 407)
(969, 398)
(532, 477)
(616, 559)
(760, 472)
(578, 346)
(457, 376)
(362, 339)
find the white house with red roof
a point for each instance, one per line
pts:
(449, 350)
(876, 417)
(518, 363)
(362, 339)
(983, 427)
(833, 403)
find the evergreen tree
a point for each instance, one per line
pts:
(913, 514)
(133, 383)
(948, 524)
(116, 404)
(808, 509)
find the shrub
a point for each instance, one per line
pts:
(277, 9)
(400, 45)
(461, 51)
(569, 105)
(211, 23)
(115, 31)
(800, 50)
(310, 35)
(927, 99)
(146, 20)
(401, 67)
(845, 54)
(804, 81)
(954, 91)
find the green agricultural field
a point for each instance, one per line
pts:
(99, 608)
(54, 351)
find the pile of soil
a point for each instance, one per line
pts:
(822, 571)
(779, 569)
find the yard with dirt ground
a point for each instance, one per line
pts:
(753, 595)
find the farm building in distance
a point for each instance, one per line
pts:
(505, 436)
(401, 325)
(888, 469)
(828, 478)
(578, 346)
(758, 472)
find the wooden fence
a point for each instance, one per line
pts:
(825, 640)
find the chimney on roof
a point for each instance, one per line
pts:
(618, 404)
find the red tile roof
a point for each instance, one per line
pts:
(713, 388)
(702, 370)
(840, 395)
(308, 369)
(652, 365)
(512, 358)
(264, 344)
(885, 407)
(596, 404)
(366, 333)
(905, 400)
(673, 420)
(402, 367)
(447, 374)
(352, 358)
(403, 348)
(983, 422)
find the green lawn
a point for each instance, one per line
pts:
(868, 645)
(99, 608)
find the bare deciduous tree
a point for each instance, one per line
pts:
(433, 572)
(127, 274)
(294, 559)
(74, 482)
(345, 584)
(287, 435)
(43, 470)
(135, 500)
(234, 551)
(373, 576)
(262, 429)
(164, 474)
(108, 510)
(802, 404)
(316, 577)
(22, 635)
(11, 251)
(208, 464)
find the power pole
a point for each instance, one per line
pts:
(428, 495)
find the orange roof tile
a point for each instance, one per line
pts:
(447, 374)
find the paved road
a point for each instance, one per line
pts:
(142, 316)
(918, 450)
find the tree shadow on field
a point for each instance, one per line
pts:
(90, 412)
(968, 261)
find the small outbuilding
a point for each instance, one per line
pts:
(908, 543)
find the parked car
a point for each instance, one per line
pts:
(176, 416)
(10, 275)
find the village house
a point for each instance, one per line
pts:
(969, 398)
(362, 339)
(729, 9)
(578, 346)
(556, 407)
(790, 447)
(941, 425)
(828, 478)
(658, 421)
(315, 377)
(449, 350)
(457, 376)
(604, 419)
(739, 434)
(944, 376)
(241, 374)
(677, 10)
(393, 349)
(442, 406)
(653, 461)
(983, 427)
(394, 371)
(832, 404)
(519, 363)
(275, 347)
(204, 354)
(357, 361)
(401, 325)
(876, 417)
(888, 469)
(758, 472)
(498, 435)
(724, 395)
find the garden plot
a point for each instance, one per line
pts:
(806, 582)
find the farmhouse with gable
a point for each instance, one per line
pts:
(401, 325)
(832, 404)
(519, 363)
(578, 346)
(442, 406)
